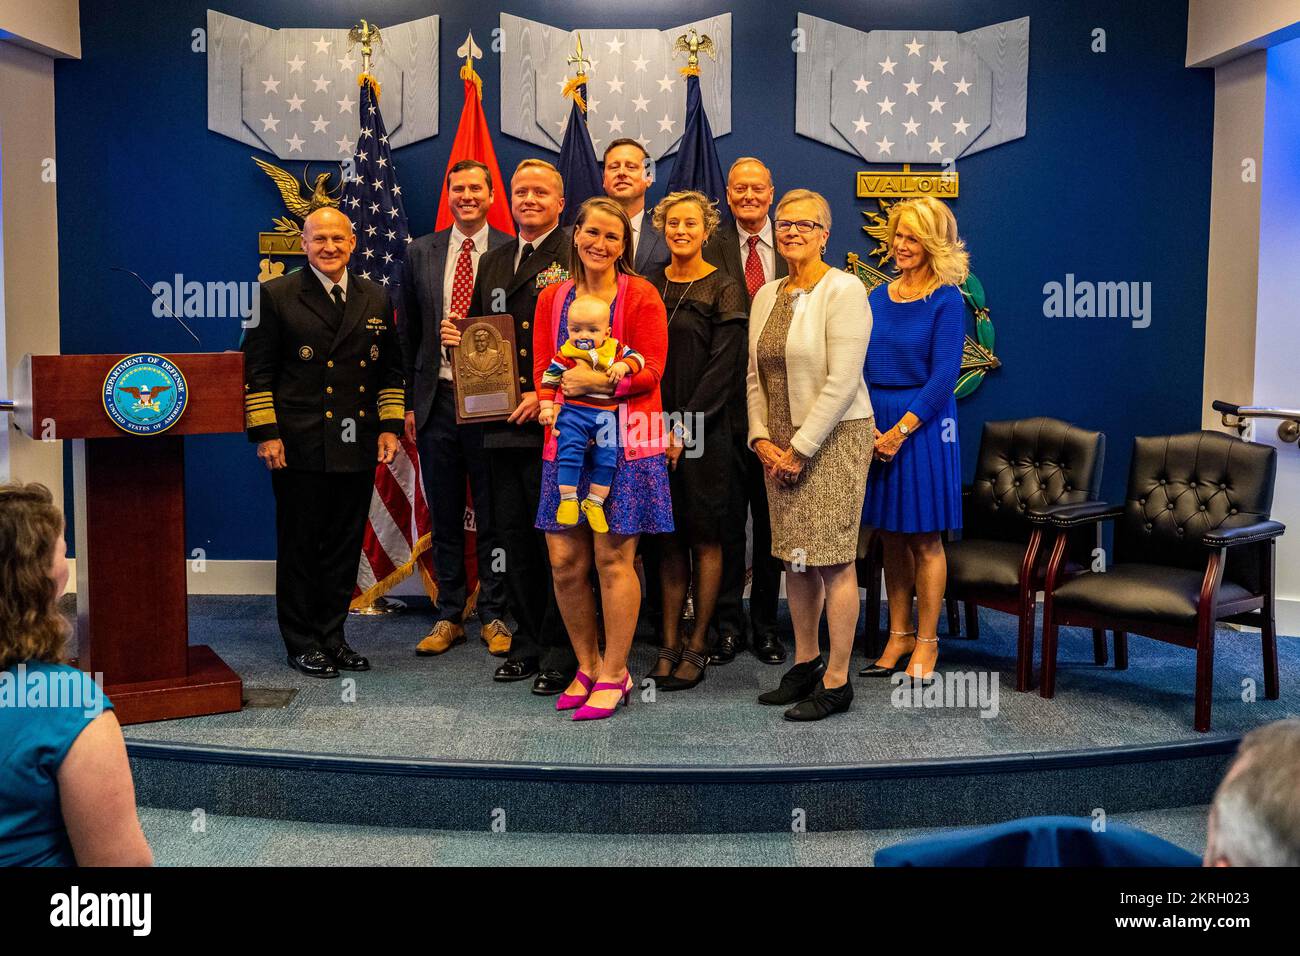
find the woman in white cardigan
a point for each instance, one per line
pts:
(810, 424)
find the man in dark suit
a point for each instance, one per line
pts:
(627, 177)
(438, 281)
(510, 278)
(324, 401)
(746, 251)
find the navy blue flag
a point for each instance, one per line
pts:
(697, 166)
(373, 201)
(582, 173)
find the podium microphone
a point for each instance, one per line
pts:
(149, 289)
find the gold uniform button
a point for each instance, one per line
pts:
(329, 389)
(329, 364)
(329, 414)
(362, 413)
(362, 387)
(522, 380)
(523, 352)
(525, 324)
(363, 363)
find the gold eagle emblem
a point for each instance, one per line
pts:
(318, 195)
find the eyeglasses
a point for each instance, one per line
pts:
(801, 226)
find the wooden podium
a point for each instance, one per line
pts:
(129, 508)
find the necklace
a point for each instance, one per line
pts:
(915, 295)
(672, 314)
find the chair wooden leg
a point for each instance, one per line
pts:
(1099, 647)
(1268, 626)
(1121, 650)
(1047, 681)
(954, 628)
(1204, 679)
(972, 621)
(1025, 651)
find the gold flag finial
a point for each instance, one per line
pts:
(471, 52)
(572, 86)
(367, 34)
(692, 43)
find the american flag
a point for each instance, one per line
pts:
(372, 199)
(912, 97)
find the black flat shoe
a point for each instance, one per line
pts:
(345, 658)
(551, 682)
(512, 671)
(878, 670)
(724, 652)
(313, 664)
(823, 703)
(769, 649)
(796, 683)
(689, 656)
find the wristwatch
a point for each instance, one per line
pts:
(904, 430)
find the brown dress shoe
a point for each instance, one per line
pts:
(497, 637)
(444, 636)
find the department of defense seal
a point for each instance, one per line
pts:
(145, 394)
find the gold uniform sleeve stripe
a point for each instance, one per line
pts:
(387, 412)
(261, 403)
(260, 417)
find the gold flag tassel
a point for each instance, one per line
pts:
(573, 90)
(365, 79)
(691, 69)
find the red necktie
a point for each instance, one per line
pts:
(753, 268)
(462, 282)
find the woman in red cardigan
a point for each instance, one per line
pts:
(639, 501)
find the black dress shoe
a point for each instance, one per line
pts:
(796, 683)
(551, 682)
(313, 664)
(694, 658)
(345, 658)
(768, 648)
(724, 652)
(822, 703)
(516, 670)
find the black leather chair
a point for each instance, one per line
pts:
(1193, 545)
(1034, 464)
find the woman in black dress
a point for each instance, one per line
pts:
(707, 345)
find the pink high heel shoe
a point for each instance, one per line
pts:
(588, 712)
(570, 701)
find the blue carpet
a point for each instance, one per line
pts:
(244, 841)
(448, 708)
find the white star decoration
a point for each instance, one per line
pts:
(935, 146)
(295, 144)
(860, 124)
(640, 103)
(959, 128)
(936, 105)
(886, 106)
(937, 64)
(272, 84)
(346, 104)
(913, 87)
(295, 103)
(963, 87)
(615, 85)
(296, 64)
(322, 45)
(861, 83)
(615, 45)
(319, 123)
(321, 84)
(666, 84)
(885, 146)
(914, 48)
(887, 66)
(270, 124)
(666, 124)
(347, 62)
(911, 126)
(640, 63)
(344, 144)
(615, 124)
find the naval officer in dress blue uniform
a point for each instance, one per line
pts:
(324, 401)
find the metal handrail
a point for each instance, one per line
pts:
(1237, 416)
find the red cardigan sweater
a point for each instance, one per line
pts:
(641, 322)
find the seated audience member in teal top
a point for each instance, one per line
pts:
(43, 710)
(66, 794)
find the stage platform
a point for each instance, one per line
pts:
(434, 743)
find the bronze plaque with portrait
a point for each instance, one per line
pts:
(484, 370)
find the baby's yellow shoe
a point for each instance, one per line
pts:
(567, 513)
(595, 516)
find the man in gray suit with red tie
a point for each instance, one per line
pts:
(438, 282)
(746, 251)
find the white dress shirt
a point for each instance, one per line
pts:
(766, 249)
(329, 283)
(454, 244)
(637, 220)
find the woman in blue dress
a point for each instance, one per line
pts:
(914, 492)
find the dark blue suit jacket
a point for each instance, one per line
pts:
(652, 250)
(420, 312)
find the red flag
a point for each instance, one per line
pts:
(474, 141)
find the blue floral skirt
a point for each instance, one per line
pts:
(639, 499)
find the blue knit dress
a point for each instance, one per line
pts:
(912, 366)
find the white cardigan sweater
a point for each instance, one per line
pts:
(825, 353)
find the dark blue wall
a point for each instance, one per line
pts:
(1111, 183)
